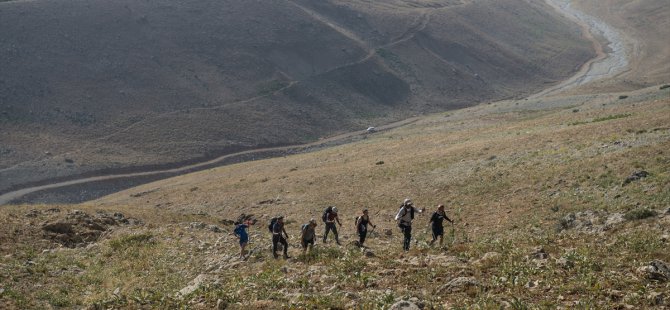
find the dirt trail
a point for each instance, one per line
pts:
(8, 197)
(606, 64)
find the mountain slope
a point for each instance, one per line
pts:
(548, 213)
(89, 86)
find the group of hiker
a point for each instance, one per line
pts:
(330, 217)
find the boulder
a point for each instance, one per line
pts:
(636, 176)
(194, 285)
(459, 284)
(656, 270)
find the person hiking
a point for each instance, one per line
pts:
(331, 219)
(278, 233)
(436, 223)
(362, 226)
(241, 233)
(308, 235)
(404, 217)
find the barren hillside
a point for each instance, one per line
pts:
(89, 87)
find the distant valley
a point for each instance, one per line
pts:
(94, 87)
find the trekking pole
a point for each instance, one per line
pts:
(453, 233)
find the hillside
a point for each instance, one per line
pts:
(559, 202)
(92, 87)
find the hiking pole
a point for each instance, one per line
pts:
(453, 233)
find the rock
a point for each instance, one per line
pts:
(197, 225)
(388, 232)
(459, 284)
(615, 295)
(636, 176)
(565, 263)
(33, 213)
(193, 286)
(404, 305)
(369, 253)
(284, 269)
(613, 219)
(665, 238)
(539, 253)
(656, 270)
(220, 304)
(214, 228)
(117, 291)
(533, 284)
(487, 259)
(352, 296)
(656, 298)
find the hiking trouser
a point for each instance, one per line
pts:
(329, 227)
(361, 236)
(276, 239)
(437, 231)
(407, 232)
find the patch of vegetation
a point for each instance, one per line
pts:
(639, 214)
(134, 240)
(600, 119)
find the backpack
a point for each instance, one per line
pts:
(238, 230)
(324, 217)
(356, 222)
(272, 223)
(411, 215)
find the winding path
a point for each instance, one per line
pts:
(604, 65)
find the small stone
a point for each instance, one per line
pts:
(539, 253)
(197, 225)
(565, 263)
(214, 228)
(284, 269)
(656, 298)
(458, 285)
(117, 291)
(369, 253)
(388, 232)
(220, 304)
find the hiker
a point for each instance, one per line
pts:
(330, 217)
(404, 217)
(308, 235)
(362, 226)
(278, 233)
(241, 233)
(436, 223)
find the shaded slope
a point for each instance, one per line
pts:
(112, 85)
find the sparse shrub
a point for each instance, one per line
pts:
(132, 241)
(623, 97)
(639, 214)
(665, 86)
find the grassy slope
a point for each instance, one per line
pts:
(508, 173)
